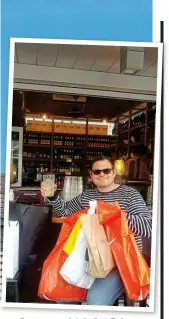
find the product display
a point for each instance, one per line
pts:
(63, 154)
(70, 154)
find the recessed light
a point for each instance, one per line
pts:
(130, 71)
(104, 121)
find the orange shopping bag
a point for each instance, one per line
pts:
(52, 286)
(130, 262)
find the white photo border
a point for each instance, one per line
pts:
(159, 46)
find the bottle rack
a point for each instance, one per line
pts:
(136, 130)
(64, 154)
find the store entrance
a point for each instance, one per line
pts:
(62, 137)
(62, 134)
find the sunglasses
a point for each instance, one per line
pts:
(106, 171)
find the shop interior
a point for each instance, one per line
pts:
(59, 124)
(70, 131)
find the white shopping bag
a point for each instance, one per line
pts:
(12, 253)
(74, 269)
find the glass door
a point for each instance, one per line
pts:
(16, 157)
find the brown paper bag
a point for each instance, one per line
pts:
(101, 261)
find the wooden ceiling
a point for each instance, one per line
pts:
(96, 108)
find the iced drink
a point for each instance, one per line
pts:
(48, 183)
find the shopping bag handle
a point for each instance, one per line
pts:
(57, 220)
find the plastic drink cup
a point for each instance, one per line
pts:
(48, 183)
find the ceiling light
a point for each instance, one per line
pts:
(130, 71)
(44, 116)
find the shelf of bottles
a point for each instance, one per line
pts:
(39, 167)
(101, 142)
(61, 140)
(63, 154)
(37, 139)
(139, 130)
(151, 130)
(67, 155)
(80, 141)
(67, 169)
(64, 146)
(92, 154)
(69, 141)
(43, 155)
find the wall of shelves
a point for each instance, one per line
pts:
(67, 155)
(70, 154)
(135, 131)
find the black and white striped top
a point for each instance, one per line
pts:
(129, 199)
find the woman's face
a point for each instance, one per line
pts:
(103, 179)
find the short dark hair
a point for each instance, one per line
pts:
(102, 158)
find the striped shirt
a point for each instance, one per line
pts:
(129, 199)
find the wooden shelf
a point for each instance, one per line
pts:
(137, 127)
(131, 144)
(108, 148)
(123, 146)
(69, 147)
(123, 132)
(32, 159)
(38, 132)
(150, 154)
(68, 161)
(67, 134)
(138, 182)
(136, 144)
(37, 145)
(83, 147)
(151, 122)
(67, 174)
